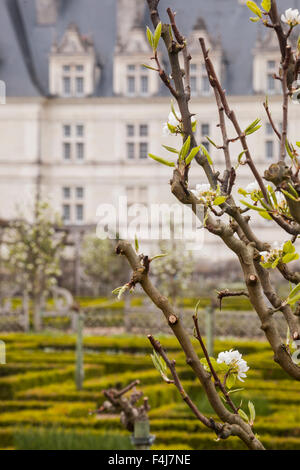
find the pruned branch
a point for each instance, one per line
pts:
(239, 426)
(266, 106)
(176, 381)
(218, 383)
(116, 402)
(226, 293)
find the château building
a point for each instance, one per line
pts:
(82, 112)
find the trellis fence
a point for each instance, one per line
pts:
(135, 320)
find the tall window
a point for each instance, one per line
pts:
(271, 140)
(137, 141)
(271, 82)
(66, 213)
(137, 81)
(66, 86)
(144, 84)
(204, 131)
(79, 86)
(269, 149)
(73, 80)
(73, 142)
(194, 80)
(198, 80)
(136, 195)
(73, 204)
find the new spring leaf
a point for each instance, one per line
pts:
(161, 160)
(254, 8)
(157, 34)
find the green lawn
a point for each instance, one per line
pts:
(40, 407)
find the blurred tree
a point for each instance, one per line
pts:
(101, 266)
(34, 254)
(173, 273)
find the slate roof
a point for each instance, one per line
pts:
(25, 45)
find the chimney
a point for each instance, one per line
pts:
(129, 13)
(46, 12)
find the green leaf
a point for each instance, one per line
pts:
(170, 149)
(160, 365)
(251, 131)
(254, 20)
(240, 157)
(173, 110)
(219, 368)
(290, 257)
(289, 195)
(185, 148)
(294, 295)
(274, 264)
(294, 299)
(298, 144)
(289, 149)
(136, 244)
(161, 160)
(219, 200)
(211, 141)
(192, 155)
(295, 290)
(235, 390)
(293, 190)
(242, 191)
(150, 37)
(266, 265)
(119, 291)
(172, 129)
(254, 8)
(157, 34)
(162, 255)
(148, 67)
(252, 412)
(204, 150)
(252, 126)
(251, 206)
(272, 194)
(266, 5)
(231, 380)
(243, 415)
(265, 215)
(288, 247)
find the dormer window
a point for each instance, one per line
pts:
(199, 81)
(137, 80)
(266, 65)
(73, 70)
(131, 78)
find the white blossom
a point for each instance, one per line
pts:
(281, 201)
(252, 187)
(234, 359)
(291, 17)
(173, 121)
(200, 189)
(275, 252)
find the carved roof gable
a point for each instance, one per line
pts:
(73, 42)
(138, 43)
